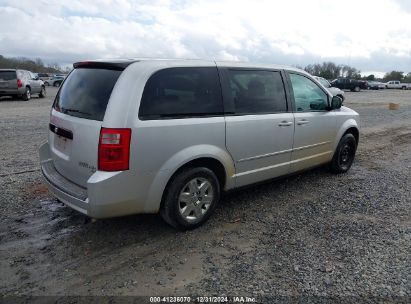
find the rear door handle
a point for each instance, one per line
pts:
(303, 122)
(285, 123)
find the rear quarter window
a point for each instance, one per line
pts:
(257, 92)
(85, 93)
(182, 92)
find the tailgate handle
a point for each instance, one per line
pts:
(61, 132)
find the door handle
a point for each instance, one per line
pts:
(303, 122)
(285, 123)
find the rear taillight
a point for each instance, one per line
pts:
(19, 83)
(114, 149)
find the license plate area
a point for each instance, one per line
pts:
(62, 144)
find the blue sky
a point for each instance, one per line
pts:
(374, 36)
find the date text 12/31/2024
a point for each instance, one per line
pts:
(222, 299)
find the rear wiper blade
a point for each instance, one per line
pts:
(64, 110)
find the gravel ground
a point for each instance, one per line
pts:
(313, 236)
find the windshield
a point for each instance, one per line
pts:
(85, 93)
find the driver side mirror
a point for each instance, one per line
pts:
(336, 103)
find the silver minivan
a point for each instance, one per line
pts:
(169, 136)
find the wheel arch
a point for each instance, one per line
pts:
(354, 131)
(214, 158)
(349, 126)
(208, 162)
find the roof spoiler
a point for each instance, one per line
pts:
(119, 66)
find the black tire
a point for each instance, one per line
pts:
(57, 84)
(344, 154)
(27, 94)
(46, 83)
(357, 89)
(42, 93)
(172, 205)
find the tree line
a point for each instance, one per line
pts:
(327, 70)
(330, 70)
(36, 66)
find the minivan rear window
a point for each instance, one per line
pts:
(7, 75)
(182, 92)
(85, 93)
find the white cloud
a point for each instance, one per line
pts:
(283, 32)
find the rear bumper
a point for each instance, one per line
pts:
(69, 193)
(108, 194)
(8, 92)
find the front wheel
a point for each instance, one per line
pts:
(344, 154)
(190, 198)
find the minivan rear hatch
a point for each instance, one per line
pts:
(77, 116)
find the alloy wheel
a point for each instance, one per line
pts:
(195, 199)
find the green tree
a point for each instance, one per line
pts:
(370, 77)
(408, 78)
(394, 75)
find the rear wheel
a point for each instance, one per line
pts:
(404, 88)
(42, 93)
(344, 154)
(190, 198)
(27, 94)
(57, 84)
(357, 89)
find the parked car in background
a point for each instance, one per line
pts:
(333, 90)
(349, 84)
(396, 84)
(44, 76)
(20, 84)
(216, 126)
(55, 81)
(375, 85)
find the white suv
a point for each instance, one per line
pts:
(168, 136)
